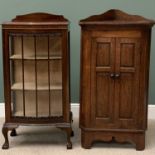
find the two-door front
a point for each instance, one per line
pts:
(114, 79)
(115, 53)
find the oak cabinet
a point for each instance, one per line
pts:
(115, 49)
(36, 73)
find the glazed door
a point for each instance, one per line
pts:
(102, 82)
(36, 75)
(127, 77)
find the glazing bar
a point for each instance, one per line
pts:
(23, 75)
(49, 75)
(36, 75)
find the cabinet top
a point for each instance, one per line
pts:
(38, 18)
(116, 17)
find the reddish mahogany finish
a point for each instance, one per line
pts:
(37, 25)
(115, 51)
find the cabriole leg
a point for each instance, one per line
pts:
(68, 135)
(5, 134)
(69, 143)
(5, 129)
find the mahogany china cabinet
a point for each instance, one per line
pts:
(115, 51)
(36, 73)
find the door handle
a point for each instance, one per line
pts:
(117, 75)
(112, 75)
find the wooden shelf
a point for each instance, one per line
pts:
(40, 114)
(31, 86)
(32, 57)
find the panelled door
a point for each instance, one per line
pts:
(114, 82)
(127, 67)
(102, 82)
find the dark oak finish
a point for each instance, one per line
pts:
(36, 73)
(115, 49)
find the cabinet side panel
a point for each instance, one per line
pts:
(85, 79)
(144, 78)
(6, 71)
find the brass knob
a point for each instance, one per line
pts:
(117, 75)
(112, 75)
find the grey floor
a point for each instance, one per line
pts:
(48, 140)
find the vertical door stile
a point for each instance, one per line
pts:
(23, 81)
(49, 75)
(112, 81)
(137, 77)
(12, 80)
(92, 78)
(112, 98)
(64, 92)
(117, 81)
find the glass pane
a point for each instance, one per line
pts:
(43, 103)
(36, 79)
(56, 73)
(43, 88)
(55, 45)
(56, 103)
(30, 103)
(28, 46)
(16, 72)
(17, 103)
(16, 94)
(42, 74)
(29, 72)
(42, 46)
(56, 84)
(17, 45)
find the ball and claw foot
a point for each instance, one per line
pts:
(13, 133)
(5, 129)
(5, 146)
(69, 145)
(140, 147)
